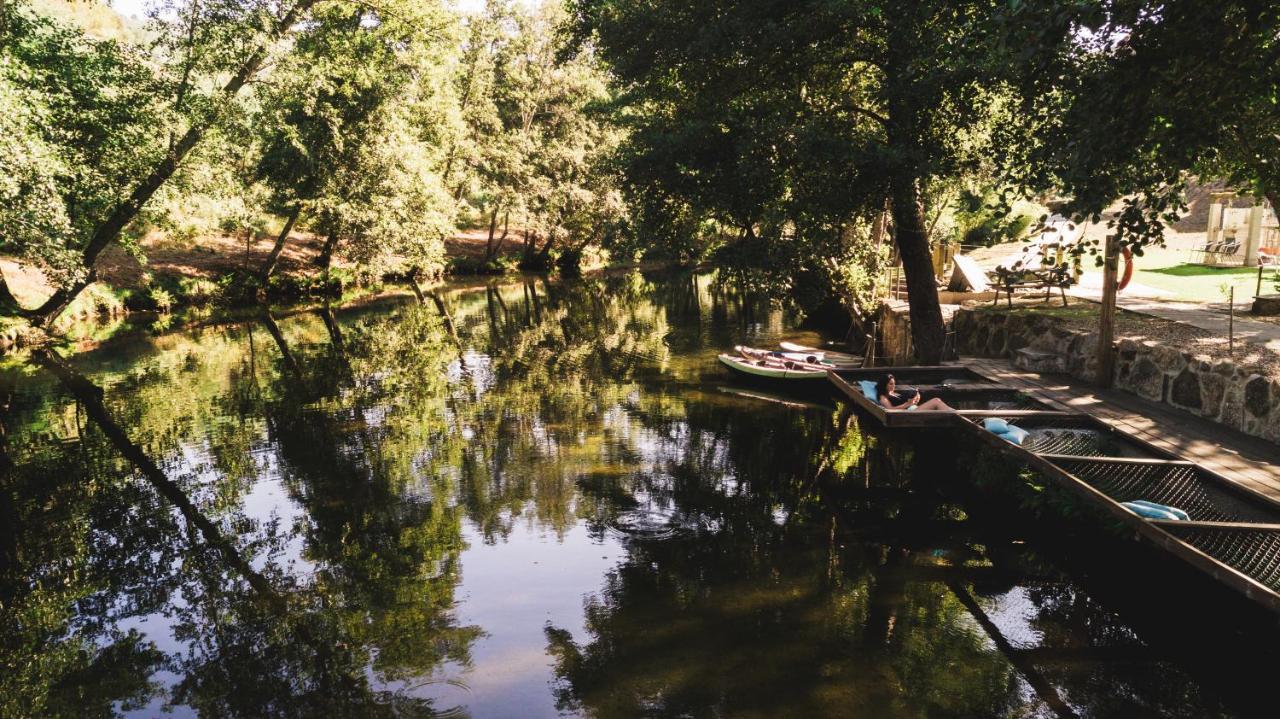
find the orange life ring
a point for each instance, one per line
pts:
(1128, 269)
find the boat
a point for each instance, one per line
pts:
(774, 357)
(967, 392)
(839, 359)
(780, 370)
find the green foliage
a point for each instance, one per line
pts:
(479, 266)
(78, 120)
(1147, 93)
(198, 290)
(160, 299)
(979, 220)
(96, 300)
(787, 126)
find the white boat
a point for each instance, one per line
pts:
(839, 359)
(773, 370)
(808, 359)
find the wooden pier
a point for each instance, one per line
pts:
(1116, 452)
(1251, 462)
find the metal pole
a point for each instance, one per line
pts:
(1257, 292)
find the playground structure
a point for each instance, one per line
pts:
(1238, 236)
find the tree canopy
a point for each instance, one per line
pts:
(800, 146)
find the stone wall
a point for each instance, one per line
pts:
(893, 331)
(893, 327)
(1222, 391)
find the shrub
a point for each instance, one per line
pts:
(198, 290)
(96, 300)
(161, 299)
(477, 266)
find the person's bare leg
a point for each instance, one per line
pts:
(935, 404)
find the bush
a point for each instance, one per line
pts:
(96, 300)
(198, 290)
(160, 298)
(239, 287)
(477, 266)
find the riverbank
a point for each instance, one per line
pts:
(178, 282)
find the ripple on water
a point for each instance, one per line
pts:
(647, 523)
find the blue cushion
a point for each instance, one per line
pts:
(869, 390)
(995, 424)
(1146, 512)
(1178, 513)
(1015, 434)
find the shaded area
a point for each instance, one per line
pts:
(275, 519)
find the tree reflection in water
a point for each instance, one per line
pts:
(273, 519)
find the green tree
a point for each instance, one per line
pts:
(347, 144)
(770, 118)
(207, 52)
(78, 117)
(1147, 93)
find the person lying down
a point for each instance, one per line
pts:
(891, 398)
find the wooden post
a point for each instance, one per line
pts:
(1231, 321)
(1106, 324)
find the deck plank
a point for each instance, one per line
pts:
(1249, 461)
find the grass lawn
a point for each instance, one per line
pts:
(1170, 271)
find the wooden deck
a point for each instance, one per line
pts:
(1249, 461)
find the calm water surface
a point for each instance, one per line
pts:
(554, 504)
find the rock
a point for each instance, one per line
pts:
(1128, 350)
(1266, 305)
(1146, 379)
(1168, 359)
(1257, 396)
(996, 342)
(1186, 390)
(1232, 408)
(1271, 428)
(1212, 389)
(980, 336)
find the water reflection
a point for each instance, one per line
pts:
(511, 500)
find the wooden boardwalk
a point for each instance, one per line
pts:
(1249, 461)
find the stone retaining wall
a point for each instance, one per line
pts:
(1222, 391)
(894, 329)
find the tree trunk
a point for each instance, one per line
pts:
(326, 253)
(530, 244)
(331, 326)
(417, 291)
(489, 249)
(927, 329)
(272, 259)
(290, 361)
(545, 252)
(438, 301)
(125, 212)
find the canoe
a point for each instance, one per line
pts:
(807, 359)
(840, 359)
(768, 370)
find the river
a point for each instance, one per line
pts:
(553, 503)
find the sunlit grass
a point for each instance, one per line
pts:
(1172, 271)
